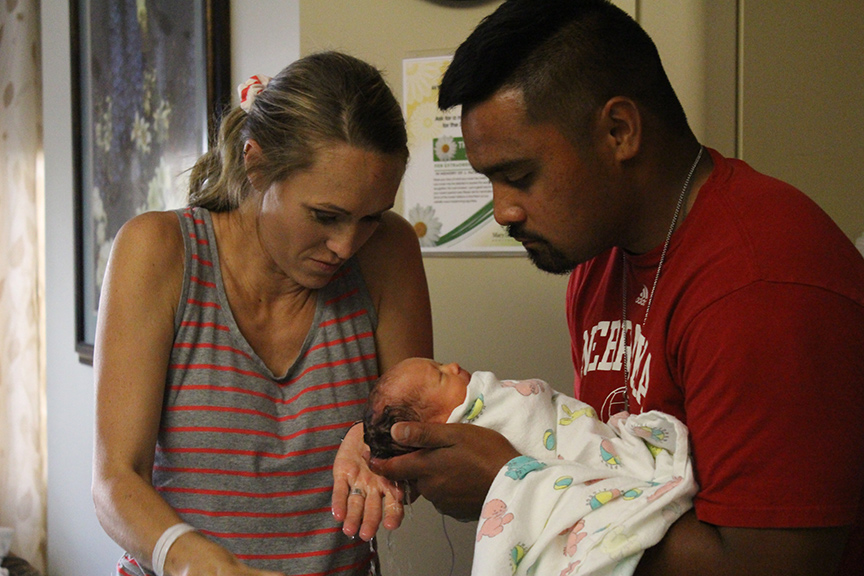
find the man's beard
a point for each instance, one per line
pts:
(542, 254)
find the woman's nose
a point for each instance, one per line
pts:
(345, 242)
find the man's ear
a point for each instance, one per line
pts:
(622, 127)
(252, 157)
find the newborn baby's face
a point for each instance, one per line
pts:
(416, 389)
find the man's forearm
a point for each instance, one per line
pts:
(695, 548)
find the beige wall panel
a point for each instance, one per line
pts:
(697, 43)
(801, 97)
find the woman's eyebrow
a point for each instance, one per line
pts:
(330, 208)
(340, 210)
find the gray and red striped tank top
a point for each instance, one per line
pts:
(246, 456)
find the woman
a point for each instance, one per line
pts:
(237, 338)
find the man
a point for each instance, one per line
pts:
(699, 288)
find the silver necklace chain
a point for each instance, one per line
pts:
(626, 345)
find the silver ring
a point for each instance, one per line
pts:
(358, 492)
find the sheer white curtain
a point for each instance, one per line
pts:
(22, 437)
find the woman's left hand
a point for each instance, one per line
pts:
(361, 498)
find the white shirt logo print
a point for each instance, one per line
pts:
(642, 299)
(603, 350)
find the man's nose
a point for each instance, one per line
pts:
(507, 209)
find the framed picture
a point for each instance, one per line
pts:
(149, 81)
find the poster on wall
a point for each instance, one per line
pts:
(449, 205)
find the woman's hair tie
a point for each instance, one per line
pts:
(250, 89)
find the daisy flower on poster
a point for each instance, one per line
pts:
(426, 225)
(445, 148)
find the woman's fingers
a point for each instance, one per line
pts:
(339, 501)
(394, 510)
(371, 515)
(356, 503)
(346, 468)
(369, 507)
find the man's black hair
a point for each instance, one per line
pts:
(568, 57)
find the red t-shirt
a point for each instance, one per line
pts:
(755, 340)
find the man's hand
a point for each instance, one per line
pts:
(455, 466)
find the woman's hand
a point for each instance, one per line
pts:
(361, 498)
(456, 467)
(193, 554)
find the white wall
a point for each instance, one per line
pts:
(265, 37)
(77, 544)
(265, 33)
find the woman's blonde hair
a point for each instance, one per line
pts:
(318, 100)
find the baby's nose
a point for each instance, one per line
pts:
(452, 367)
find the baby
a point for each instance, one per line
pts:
(416, 389)
(583, 494)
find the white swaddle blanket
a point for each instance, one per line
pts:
(585, 497)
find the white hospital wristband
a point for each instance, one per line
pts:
(160, 551)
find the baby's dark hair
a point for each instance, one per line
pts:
(376, 431)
